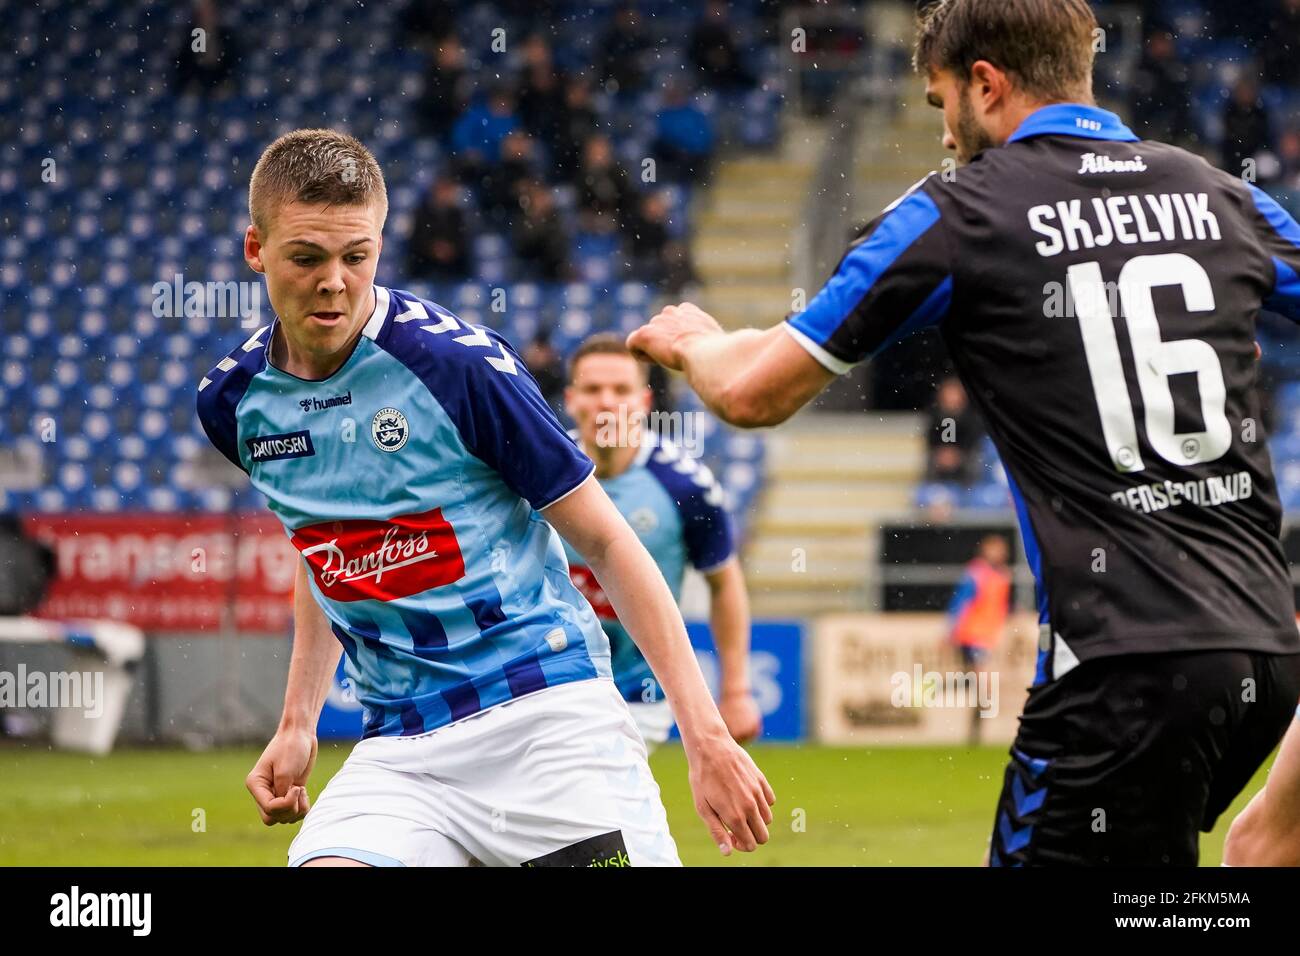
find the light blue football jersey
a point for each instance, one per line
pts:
(410, 481)
(678, 510)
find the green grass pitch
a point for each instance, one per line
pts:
(839, 807)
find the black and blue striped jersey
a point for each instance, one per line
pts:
(1098, 295)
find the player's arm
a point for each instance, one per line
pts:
(894, 280)
(731, 794)
(278, 782)
(710, 541)
(1267, 832)
(750, 378)
(1281, 238)
(730, 624)
(278, 779)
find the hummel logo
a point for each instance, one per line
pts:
(1092, 163)
(314, 404)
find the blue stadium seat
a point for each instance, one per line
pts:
(139, 166)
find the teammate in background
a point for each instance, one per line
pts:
(1169, 660)
(978, 612)
(415, 466)
(677, 509)
(1267, 832)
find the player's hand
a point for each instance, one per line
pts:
(662, 338)
(741, 715)
(278, 781)
(732, 796)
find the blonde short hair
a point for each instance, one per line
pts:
(314, 166)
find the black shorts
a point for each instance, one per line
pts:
(1123, 759)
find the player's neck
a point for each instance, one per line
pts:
(612, 462)
(300, 363)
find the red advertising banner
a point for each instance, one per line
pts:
(171, 572)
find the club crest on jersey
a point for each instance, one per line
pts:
(277, 447)
(643, 520)
(389, 430)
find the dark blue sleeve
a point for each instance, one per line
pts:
(513, 429)
(706, 524)
(1282, 242)
(710, 539)
(894, 280)
(219, 394)
(494, 401)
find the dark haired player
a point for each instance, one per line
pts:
(1125, 425)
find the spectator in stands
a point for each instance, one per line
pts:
(1282, 59)
(477, 135)
(447, 86)
(679, 267)
(538, 236)
(606, 196)
(547, 367)
(649, 236)
(684, 137)
(428, 22)
(977, 615)
(439, 245)
(623, 50)
(1246, 131)
(539, 11)
(714, 53)
(1162, 91)
(541, 90)
(953, 436)
(205, 61)
(949, 465)
(1288, 155)
(500, 187)
(574, 124)
(657, 258)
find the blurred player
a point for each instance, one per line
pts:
(977, 614)
(1098, 296)
(1267, 832)
(676, 507)
(416, 468)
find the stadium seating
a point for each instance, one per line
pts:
(111, 182)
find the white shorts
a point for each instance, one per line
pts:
(654, 721)
(557, 778)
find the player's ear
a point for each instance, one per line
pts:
(988, 83)
(253, 249)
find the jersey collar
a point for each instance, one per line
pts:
(1074, 119)
(383, 299)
